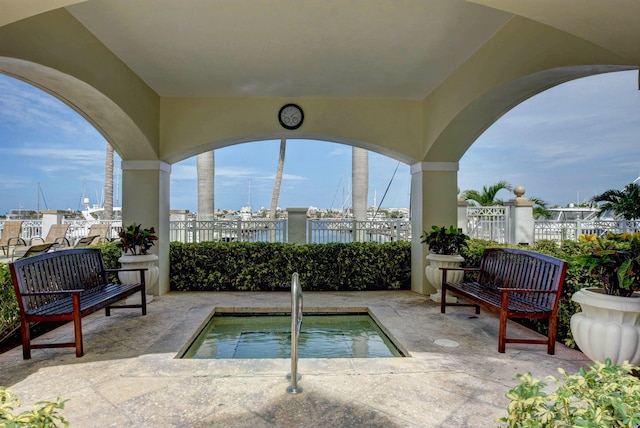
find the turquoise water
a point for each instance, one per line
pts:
(269, 336)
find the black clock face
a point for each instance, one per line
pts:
(291, 116)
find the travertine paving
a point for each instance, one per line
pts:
(129, 376)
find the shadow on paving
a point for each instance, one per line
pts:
(308, 409)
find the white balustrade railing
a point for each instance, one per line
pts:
(79, 228)
(570, 230)
(321, 231)
(488, 223)
(253, 230)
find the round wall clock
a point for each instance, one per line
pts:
(291, 116)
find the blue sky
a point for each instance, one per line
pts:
(564, 146)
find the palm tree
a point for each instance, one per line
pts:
(360, 189)
(488, 195)
(205, 166)
(276, 187)
(624, 203)
(108, 185)
(540, 208)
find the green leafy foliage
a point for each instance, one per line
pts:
(442, 240)
(605, 395)
(487, 196)
(625, 202)
(615, 262)
(9, 313)
(253, 266)
(45, 414)
(111, 252)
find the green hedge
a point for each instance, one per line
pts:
(260, 266)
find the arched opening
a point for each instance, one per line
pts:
(316, 173)
(53, 157)
(565, 144)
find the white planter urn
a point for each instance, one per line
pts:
(608, 326)
(434, 274)
(140, 261)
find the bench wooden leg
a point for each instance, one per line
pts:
(502, 335)
(551, 347)
(77, 325)
(26, 338)
(143, 301)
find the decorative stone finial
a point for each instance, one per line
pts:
(518, 191)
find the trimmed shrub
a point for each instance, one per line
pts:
(263, 266)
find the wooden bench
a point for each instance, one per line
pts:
(517, 284)
(65, 286)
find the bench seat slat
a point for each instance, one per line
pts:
(90, 301)
(493, 297)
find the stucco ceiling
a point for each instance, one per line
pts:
(284, 48)
(401, 49)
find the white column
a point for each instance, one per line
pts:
(145, 200)
(522, 225)
(433, 202)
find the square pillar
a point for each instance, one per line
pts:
(145, 201)
(49, 218)
(522, 224)
(463, 218)
(297, 225)
(434, 189)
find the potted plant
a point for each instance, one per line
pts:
(135, 243)
(136, 240)
(445, 245)
(609, 324)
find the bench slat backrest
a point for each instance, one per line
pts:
(74, 269)
(515, 268)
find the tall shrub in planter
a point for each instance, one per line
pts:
(609, 324)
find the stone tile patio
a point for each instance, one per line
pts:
(129, 375)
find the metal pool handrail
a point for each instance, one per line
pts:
(296, 326)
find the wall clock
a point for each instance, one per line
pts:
(291, 116)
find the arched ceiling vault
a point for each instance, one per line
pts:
(418, 80)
